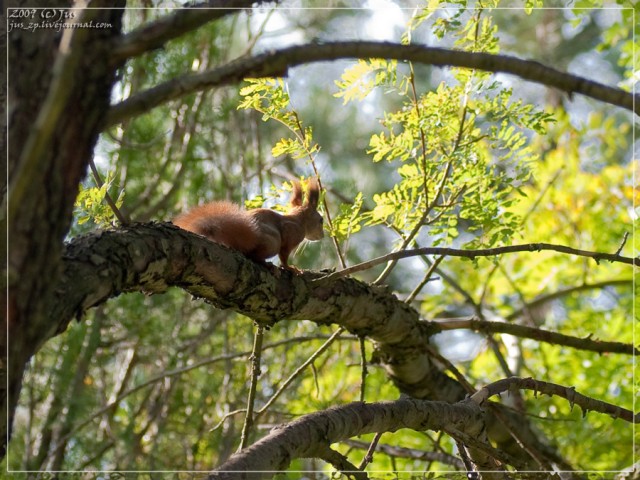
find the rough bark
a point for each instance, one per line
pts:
(59, 88)
(154, 257)
(51, 140)
(55, 116)
(313, 433)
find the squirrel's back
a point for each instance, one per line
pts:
(222, 222)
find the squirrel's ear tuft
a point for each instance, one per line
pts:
(313, 193)
(296, 194)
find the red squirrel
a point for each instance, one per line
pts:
(260, 233)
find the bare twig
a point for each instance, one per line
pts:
(155, 34)
(302, 138)
(482, 252)
(622, 243)
(299, 370)
(368, 458)
(363, 368)
(341, 463)
(225, 416)
(539, 334)
(472, 471)
(523, 221)
(563, 292)
(492, 454)
(452, 368)
(411, 453)
(418, 226)
(256, 356)
(568, 393)
(107, 197)
(425, 279)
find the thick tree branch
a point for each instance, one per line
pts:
(539, 334)
(153, 257)
(305, 436)
(277, 64)
(313, 433)
(568, 393)
(155, 34)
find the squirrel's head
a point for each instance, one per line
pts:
(308, 210)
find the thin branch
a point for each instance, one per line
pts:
(517, 291)
(482, 252)
(541, 335)
(363, 368)
(622, 243)
(154, 35)
(112, 205)
(368, 458)
(276, 63)
(225, 416)
(406, 241)
(523, 221)
(494, 345)
(449, 280)
(341, 463)
(411, 453)
(547, 388)
(452, 368)
(507, 421)
(491, 454)
(300, 369)
(416, 229)
(179, 371)
(327, 212)
(472, 471)
(542, 299)
(426, 279)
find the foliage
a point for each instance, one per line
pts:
(461, 150)
(269, 97)
(91, 204)
(619, 38)
(409, 157)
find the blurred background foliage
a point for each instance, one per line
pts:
(409, 155)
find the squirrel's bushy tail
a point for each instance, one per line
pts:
(222, 222)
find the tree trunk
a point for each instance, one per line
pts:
(59, 93)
